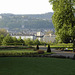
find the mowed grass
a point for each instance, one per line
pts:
(36, 66)
(17, 51)
(62, 45)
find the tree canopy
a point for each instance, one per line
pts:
(3, 32)
(7, 40)
(63, 19)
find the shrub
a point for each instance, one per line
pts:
(40, 52)
(48, 49)
(37, 47)
(74, 57)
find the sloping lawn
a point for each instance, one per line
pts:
(36, 66)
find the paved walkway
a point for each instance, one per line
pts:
(60, 53)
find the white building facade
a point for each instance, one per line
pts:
(25, 36)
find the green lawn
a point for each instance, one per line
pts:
(62, 45)
(17, 51)
(23, 52)
(36, 66)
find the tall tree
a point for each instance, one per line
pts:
(63, 19)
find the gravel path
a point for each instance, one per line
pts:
(60, 53)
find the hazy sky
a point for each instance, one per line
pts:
(25, 6)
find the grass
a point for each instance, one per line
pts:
(36, 66)
(62, 45)
(22, 52)
(17, 51)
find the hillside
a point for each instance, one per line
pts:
(12, 21)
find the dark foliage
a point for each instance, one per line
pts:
(40, 51)
(74, 57)
(48, 49)
(37, 47)
(14, 47)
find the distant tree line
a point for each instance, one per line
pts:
(29, 22)
(9, 40)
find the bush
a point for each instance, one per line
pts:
(40, 52)
(14, 47)
(37, 47)
(17, 54)
(48, 49)
(74, 57)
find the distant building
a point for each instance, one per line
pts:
(24, 36)
(49, 38)
(39, 36)
(22, 26)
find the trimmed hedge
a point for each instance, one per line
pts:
(48, 49)
(17, 54)
(15, 47)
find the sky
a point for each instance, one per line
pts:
(25, 6)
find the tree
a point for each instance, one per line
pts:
(36, 42)
(1, 39)
(28, 41)
(8, 40)
(15, 41)
(3, 32)
(63, 19)
(20, 41)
